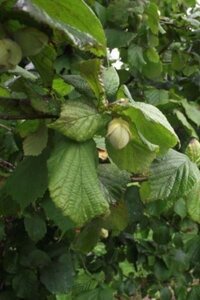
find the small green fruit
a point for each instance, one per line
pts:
(31, 40)
(10, 54)
(193, 151)
(119, 133)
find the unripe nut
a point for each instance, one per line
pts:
(10, 54)
(119, 133)
(31, 40)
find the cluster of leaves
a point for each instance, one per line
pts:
(79, 217)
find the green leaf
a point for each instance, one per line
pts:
(88, 237)
(97, 294)
(172, 175)
(38, 258)
(135, 57)
(153, 17)
(79, 120)
(8, 207)
(161, 272)
(113, 180)
(156, 97)
(161, 235)
(193, 249)
(183, 120)
(2, 230)
(29, 180)
(35, 143)
(152, 70)
(35, 227)
(153, 55)
(118, 218)
(111, 81)
(55, 214)
(194, 293)
(74, 18)
(165, 294)
(25, 284)
(180, 208)
(192, 111)
(61, 87)
(193, 203)
(80, 84)
(73, 181)
(118, 38)
(91, 70)
(136, 156)
(153, 125)
(58, 276)
(44, 64)
(4, 93)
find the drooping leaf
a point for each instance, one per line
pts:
(58, 276)
(35, 143)
(74, 18)
(152, 70)
(191, 111)
(152, 124)
(44, 64)
(35, 227)
(153, 17)
(91, 70)
(118, 217)
(172, 175)
(117, 38)
(73, 181)
(97, 294)
(79, 120)
(193, 202)
(113, 180)
(111, 81)
(88, 237)
(135, 57)
(61, 87)
(156, 97)
(80, 84)
(29, 180)
(25, 284)
(183, 120)
(152, 55)
(56, 215)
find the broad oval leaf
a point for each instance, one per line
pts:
(73, 182)
(155, 127)
(173, 175)
(74, 18)
(79, 120)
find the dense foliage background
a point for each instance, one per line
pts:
(92, 208)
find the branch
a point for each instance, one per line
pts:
(6, 165)
(138, 178)
(28, 117)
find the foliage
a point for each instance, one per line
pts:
(99, 159)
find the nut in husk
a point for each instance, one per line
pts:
(10, 54)
(119, 133)
(31, 40)
(193, 151)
